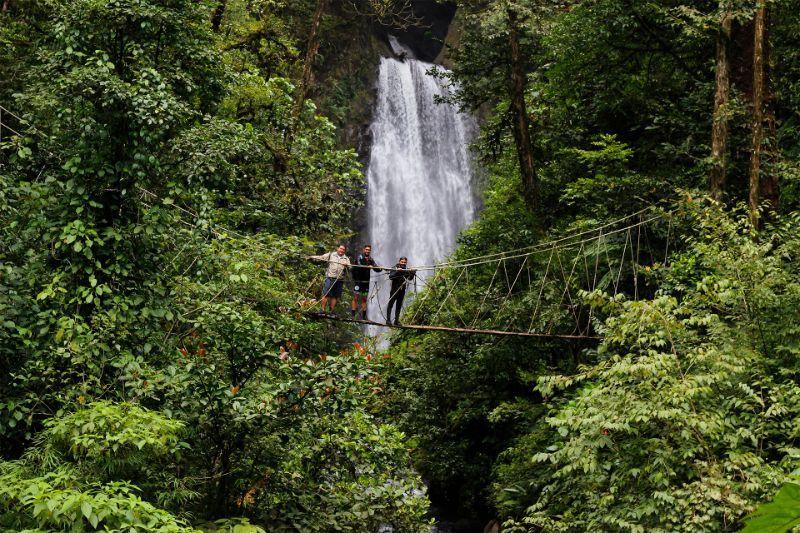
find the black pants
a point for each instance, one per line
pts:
(397, 300)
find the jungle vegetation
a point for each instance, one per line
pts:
(165, 165)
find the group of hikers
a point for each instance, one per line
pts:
(361, 271)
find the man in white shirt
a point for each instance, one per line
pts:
(338, 264)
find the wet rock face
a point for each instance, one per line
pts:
(427, 40)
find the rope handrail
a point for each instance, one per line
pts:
(514, 254)
(547, 244)
(4, 125)
(6, 110)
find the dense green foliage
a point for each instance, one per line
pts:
(160, 374)
(682, 418)
(166, 179)
(687, 413)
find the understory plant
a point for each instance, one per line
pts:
(687, 416)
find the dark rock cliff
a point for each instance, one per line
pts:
(426, 39)
(345, 88)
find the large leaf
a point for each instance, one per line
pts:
(780, 515)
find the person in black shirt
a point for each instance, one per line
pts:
(400, 279)
(361, 277)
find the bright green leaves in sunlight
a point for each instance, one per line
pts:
(66, 482)
(108, 432)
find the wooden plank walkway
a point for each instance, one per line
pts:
(421, 327)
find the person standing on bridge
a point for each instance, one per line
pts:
(362, 271)
(400, 277)
(334, 276)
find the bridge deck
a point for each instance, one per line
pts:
(422, 327)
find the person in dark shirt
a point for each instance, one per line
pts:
(400, 279)
(361, 274)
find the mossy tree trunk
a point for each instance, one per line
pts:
(311, 54)
(719, 131)
(520, 119)
(764, 188)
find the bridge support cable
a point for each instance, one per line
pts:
(423, 327)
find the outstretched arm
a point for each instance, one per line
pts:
(323, 257)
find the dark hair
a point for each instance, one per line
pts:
(367, 246)
(404, 257)
(338, 245)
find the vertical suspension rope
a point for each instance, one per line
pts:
(566, 292)
(622, 261)
(600, 238)
(429, 288)
(486, 295)
(666, 248)
(510, 290)
(635, 261)
(448, 295)
(541, 289)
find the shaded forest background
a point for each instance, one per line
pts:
(168, 164)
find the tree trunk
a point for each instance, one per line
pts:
(223, 473)
(758, 115)
(719, 130)
(521, 125)
(216, 16)
(311, 54)
(770, 187)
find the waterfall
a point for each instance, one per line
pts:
(419, 174)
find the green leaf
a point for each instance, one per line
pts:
(778, 516)
(39, 508)
(86, 509)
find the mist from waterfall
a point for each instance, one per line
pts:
(419, 174)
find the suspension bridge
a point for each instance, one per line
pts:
(532, 291)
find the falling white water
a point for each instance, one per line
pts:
(419, 175)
